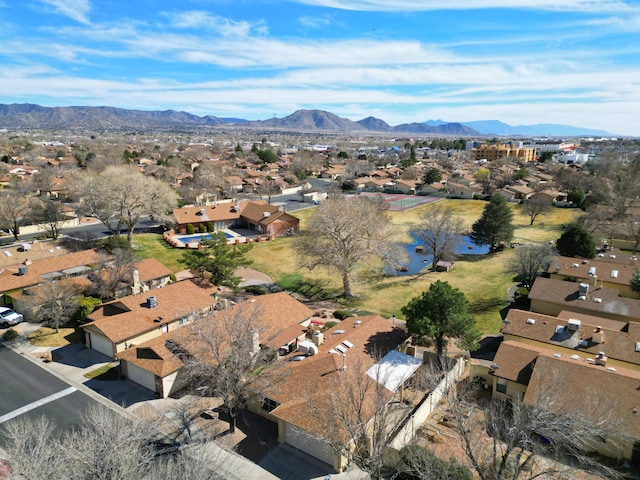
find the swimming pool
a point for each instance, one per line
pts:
(198, 237)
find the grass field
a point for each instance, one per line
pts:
(482, 278)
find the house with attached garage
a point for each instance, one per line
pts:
(124, 323)
(156, 363)
(310, 374)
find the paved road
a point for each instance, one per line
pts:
(29, 391)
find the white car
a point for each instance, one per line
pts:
(9, 318)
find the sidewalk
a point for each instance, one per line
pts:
(72, 362)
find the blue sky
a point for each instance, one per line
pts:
(574, 62)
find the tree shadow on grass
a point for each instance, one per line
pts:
(313, 289)
(485, 305)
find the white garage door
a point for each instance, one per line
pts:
(101, 344)
(141, 377)
(313, 446)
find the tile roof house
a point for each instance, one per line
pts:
(551, 296)
(120, 324)
(254, 215)
(153, 364)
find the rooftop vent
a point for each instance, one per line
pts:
(152, 302)
(338, 332)
(612, 256)
(583, 289)
(531, 321)
(597, 300)
(582, 297)
(575, 357)
(573, 324)
(266, 214)
(589, 360)
(557, 355)
(614, 273)
(611, 369)
(575, 265)
(584, 262)
(22, 269)
(637, 346)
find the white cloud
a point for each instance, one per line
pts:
(224, 26)
(427, 5)
(75, 9)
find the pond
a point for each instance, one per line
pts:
(419, 261)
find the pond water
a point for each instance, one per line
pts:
(419, 261)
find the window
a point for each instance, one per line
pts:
(501, 385)
(268, 404)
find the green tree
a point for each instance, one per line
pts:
(267, 156)
(439, 314)
(433, 175)
(545, 156)
(495, 226)
(577, 197)
(218, 261)
(635, 281)
(576, 242)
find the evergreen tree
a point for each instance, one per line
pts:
(576, 242)
(495, 226)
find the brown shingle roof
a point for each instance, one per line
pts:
(565, 295)
(312, 376)
(151, 269)
(618, 344)
(604, 268)
(10, 280)
(129, 317)
(515, 361)
(160, 362)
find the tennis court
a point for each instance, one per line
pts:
(401, 203)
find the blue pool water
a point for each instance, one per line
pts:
(198, 237)
(419, 261)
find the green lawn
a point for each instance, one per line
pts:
(483, 278)
(151, 245)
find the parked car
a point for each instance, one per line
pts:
(9, 318)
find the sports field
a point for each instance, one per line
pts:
(402, 203)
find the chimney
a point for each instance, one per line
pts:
(598, 335)
(593, 279)
(136, 279)
(344, 362)
(318, 338)
(633, 261)
(601, 359)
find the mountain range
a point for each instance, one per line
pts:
(30, 116)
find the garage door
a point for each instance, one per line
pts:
(141, 377)
(101, 344)
(313, 446)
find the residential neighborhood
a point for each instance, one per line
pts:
(149, 307)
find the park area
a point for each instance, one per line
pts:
(482, 278)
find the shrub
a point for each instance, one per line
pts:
(115, 241)
(329, 325)
(190, 230)
(203, 228)
(210, 227)
(256, 290)
(173, 277)
(10, 334)
(341, 314)
(86, 305)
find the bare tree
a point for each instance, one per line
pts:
(345, 232)
(533, 439)
(121, 194)
(224, 356)
(203, 185)
(357, 417)
(117, 270)
(529, 261)
(54, 302)
(49, 215)
(14, 209)
(33, 447)
(534, 207)
(268, 188)
(440, 231)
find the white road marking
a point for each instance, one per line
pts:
(43, 401)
